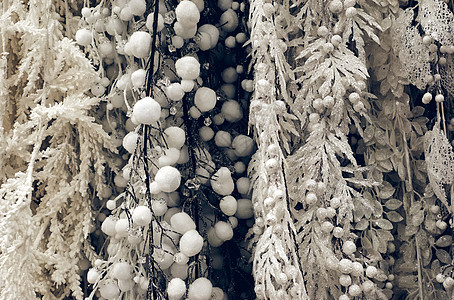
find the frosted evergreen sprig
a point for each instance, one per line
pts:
(274, 246)
(330, 94)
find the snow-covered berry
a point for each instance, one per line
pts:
(357, 269)
(84, 37)
(349, 247)
(232, 111)
(191, 243)
(176, 289)
(371, 271)
(213, 31)
(426, 98)
(206, 133)
(108, 227)
(150, 20)
(243, 145)
(187, 67)
(181, 222)
(350, 12)
(109, 290)
(244, 209)
(92, 275)
(223, 139)
(229, 20)
(121, 270)
(222, 182)
(311, 198)
(130, 141)
(168, 179)
(355, 290)
(439, 98)
(187, 13)
(174, 137)
(174, 91)
(335, 6)
(122, 227)
(448, 283)
(141, 216)
(138, 78)
(140, 44)
(205, 99)
(345, 280)
(228, 205)
(146, 111)
(345, 266)
(223, 230)
(200, 289)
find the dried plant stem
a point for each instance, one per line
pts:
(412, 199)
